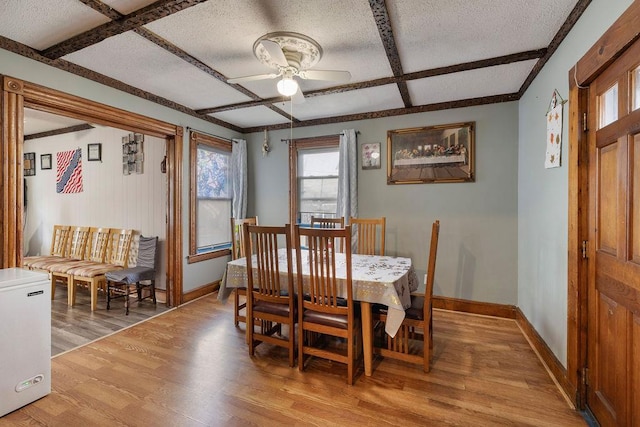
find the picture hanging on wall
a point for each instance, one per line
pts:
(132, 154)
(371, 155)
(29, 164)
(554, 131)
(442, 153)
(69, 171)
(94, 152)
(45, 161)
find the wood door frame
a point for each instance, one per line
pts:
(607, 49)
(18, 94)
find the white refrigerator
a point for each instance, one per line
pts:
(25, 338)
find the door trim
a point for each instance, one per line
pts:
(610, 46)
(17, 94)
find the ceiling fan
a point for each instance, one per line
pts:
(291, 55)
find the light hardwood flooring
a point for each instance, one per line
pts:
(191, 367)
(77, 325)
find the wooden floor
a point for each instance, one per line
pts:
(190, 367)
(77, 325)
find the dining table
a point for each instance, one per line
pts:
(376, 279)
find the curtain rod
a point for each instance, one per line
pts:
(210, 134)
(322, 136)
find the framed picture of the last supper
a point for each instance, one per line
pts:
(442, 153)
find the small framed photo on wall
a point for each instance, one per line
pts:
(371, 155)
(29, 164)
(45, 161)
(94, 152)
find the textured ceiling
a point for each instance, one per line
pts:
(404, 56)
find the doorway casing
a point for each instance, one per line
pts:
(17, 95)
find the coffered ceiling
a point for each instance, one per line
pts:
(404, 56)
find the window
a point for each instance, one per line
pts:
(314, 178)
(609, 106)
(635, 81)
(210, 204)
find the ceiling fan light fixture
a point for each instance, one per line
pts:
(287, 86)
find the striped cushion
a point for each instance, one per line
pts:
(64, 267)
(92, 270)
(46, 264)
(27, 261)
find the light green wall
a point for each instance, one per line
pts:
(477, 254)
(543, 193)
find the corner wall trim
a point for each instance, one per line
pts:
(201, 291)
(556, 369)
(474, 307)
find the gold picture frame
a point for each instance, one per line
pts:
(433, 154)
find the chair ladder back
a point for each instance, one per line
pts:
(119, 244)
(368, 230)
(324, 287)
(59, 240)
(318, 222)
(78, 242)
(267, 306)
(97, 244)
(262, 241)
(237, 239)
(321, 309)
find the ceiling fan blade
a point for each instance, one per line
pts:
(252, 78)
(275, 52)
(298, 97)
(331, 75)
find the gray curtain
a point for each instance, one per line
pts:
(348, 177)
(239, 178)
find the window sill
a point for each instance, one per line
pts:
(208, 255)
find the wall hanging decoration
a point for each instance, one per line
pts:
(69, 171)
(371, 155)
(132, 153)
(29, 164)
(265, 145)
(45, 161)
(442, 153)
(554, 131)
(94, 152)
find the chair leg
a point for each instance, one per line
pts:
(237, 306)
(71, 291)
(108, 295)
(94, 294)
(153, 290)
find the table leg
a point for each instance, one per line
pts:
(367, 337)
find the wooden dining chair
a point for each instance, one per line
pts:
(271, 300)
(371, 232)
(318, 222)
(414, 340)
(93, 274)
(58, 249)
(325, 304)
(237, 251)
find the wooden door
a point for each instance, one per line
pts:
(613, 361)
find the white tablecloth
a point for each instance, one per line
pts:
(376, 279)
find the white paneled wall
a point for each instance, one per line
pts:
(109, 199)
